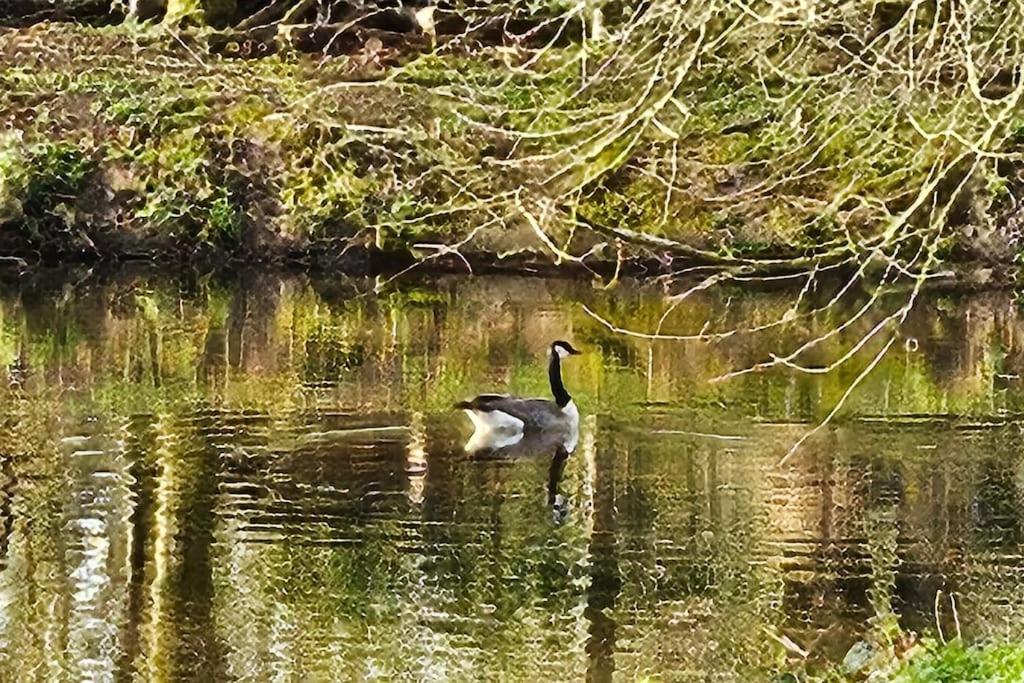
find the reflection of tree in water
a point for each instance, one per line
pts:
(878, 528)
(673, 572)
(212, 372)
(178, 616)
(956, 337)
(995, 507)
(435, 348)
(7, 484)
(604, 568)
(252, 323)
(350, 544)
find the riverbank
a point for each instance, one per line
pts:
(136, 142)
(129, 144)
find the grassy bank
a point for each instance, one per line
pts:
(931, 662)
(851, 134)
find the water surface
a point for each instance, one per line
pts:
(260, 478)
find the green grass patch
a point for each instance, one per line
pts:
(956, 662)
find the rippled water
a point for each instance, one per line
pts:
(261, 479)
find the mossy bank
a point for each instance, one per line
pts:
(654, 139)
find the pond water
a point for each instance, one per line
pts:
(261, 478)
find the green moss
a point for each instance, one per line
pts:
(247, 113)
(12, 177)
(325, 196)
(55, 170)
(438, 70)
(959, 663)
(186, 189)
(157, 115)
(39, 183)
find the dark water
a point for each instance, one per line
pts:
(260, 479)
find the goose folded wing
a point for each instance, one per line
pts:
(529, 410)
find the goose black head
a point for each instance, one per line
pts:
(563, 349)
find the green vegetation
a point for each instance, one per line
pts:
(959, 663)
(853, 133)
(930, 661)
(334, 329)
(41, 183)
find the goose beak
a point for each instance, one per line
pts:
(575, 352)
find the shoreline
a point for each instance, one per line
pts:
(367, 261)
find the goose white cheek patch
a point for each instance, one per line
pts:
(562, 353)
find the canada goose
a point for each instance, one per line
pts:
(501, 420)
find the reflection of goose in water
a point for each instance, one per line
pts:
(556, 443)
(556, 501)
(502, 421)
(501, 445)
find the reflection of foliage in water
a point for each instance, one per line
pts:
(436, 350)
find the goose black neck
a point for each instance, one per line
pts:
(562, 396)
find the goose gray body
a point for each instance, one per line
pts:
(500, 420)
(534, 413)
